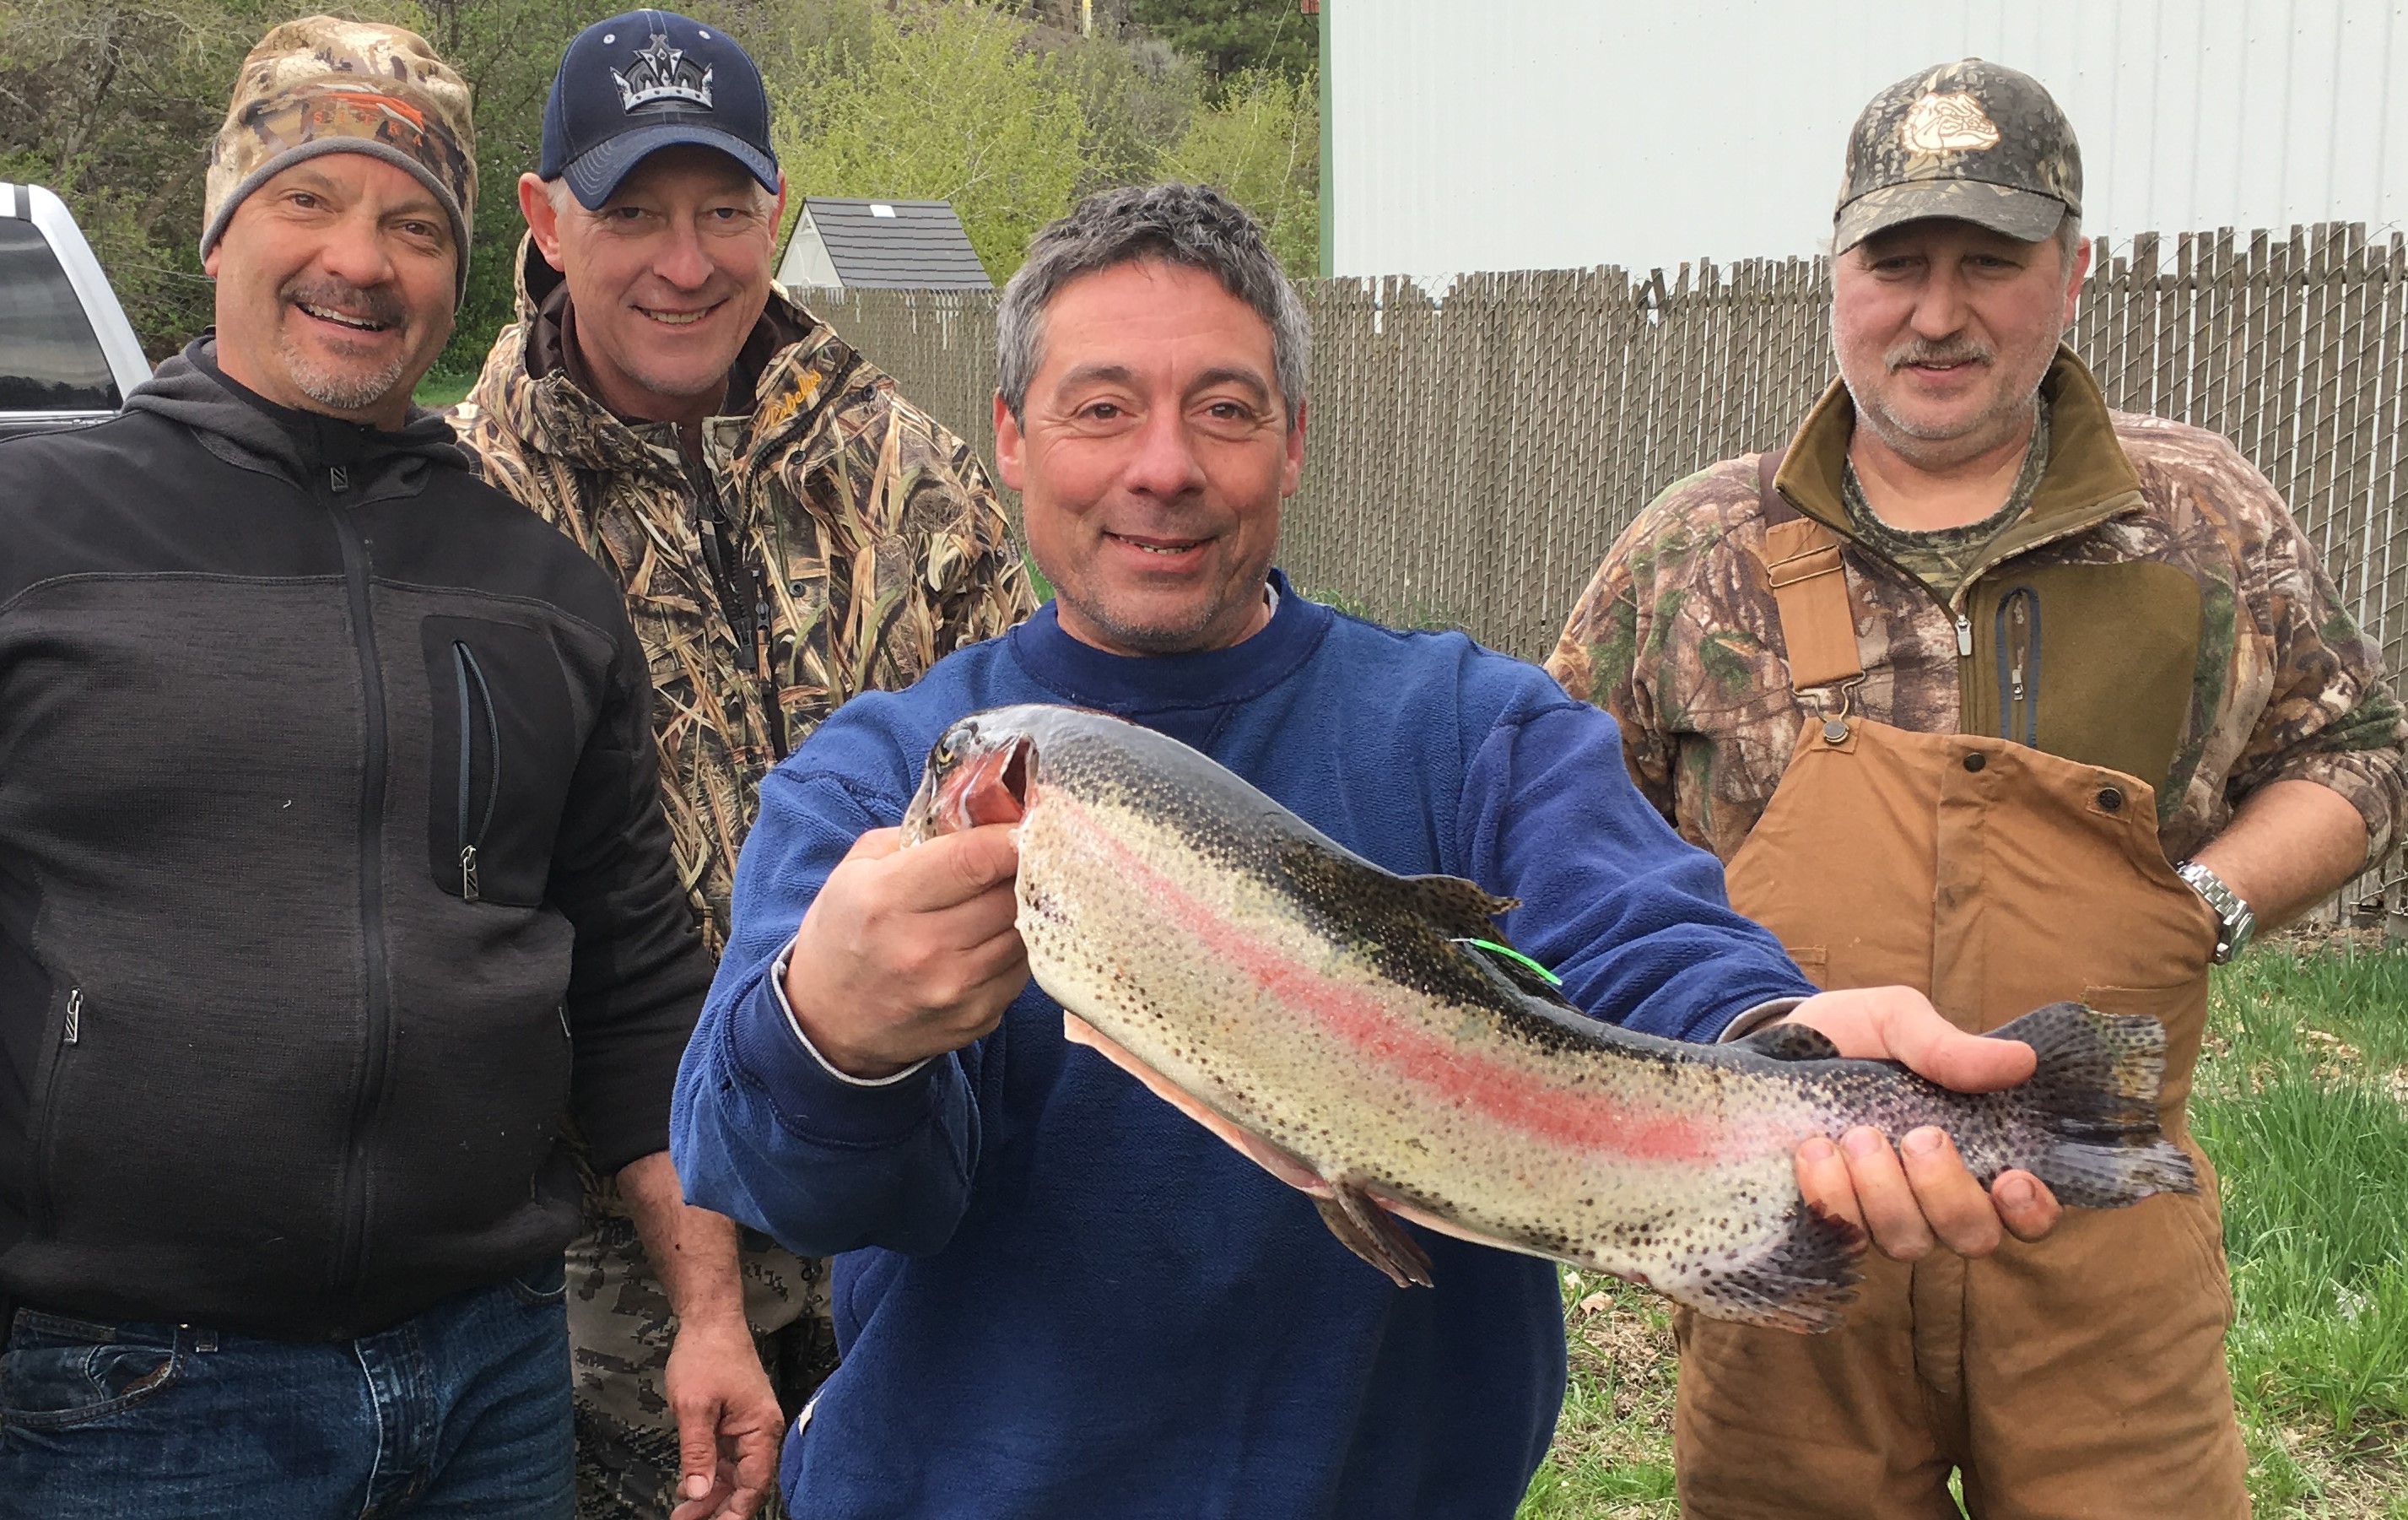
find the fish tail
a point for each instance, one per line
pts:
(2094, 1098)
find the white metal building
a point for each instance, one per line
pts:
(1560, 134)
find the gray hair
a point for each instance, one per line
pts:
(2069, 239)
(1194, 225)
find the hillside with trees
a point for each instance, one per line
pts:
(1007, 109)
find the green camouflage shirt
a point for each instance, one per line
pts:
(2177, 623)
(1942, 558)
(878, 542)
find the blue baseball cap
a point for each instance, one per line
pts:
(647, 80)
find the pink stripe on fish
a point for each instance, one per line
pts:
(1587, 1121)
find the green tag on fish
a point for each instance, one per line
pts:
(1512, 954)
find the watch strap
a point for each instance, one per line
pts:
(2233, 917)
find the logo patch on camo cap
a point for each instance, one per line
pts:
(1971, 140)
(1947, 124)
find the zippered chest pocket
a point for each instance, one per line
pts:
(2097, 664)
(502, 751)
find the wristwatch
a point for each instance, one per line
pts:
(2233, 919)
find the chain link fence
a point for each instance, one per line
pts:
(1470, 460)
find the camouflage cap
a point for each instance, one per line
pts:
(1970, 140)
(326, 85)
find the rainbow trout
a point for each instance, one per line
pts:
(1368, 1039)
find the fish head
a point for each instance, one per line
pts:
(978, 772)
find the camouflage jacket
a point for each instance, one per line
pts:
(2173, 621)
(868, 541)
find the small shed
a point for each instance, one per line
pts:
(892, 245)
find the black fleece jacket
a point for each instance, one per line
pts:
(334, 882)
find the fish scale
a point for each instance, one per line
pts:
(1333, 1022)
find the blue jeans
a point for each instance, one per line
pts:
(460, 1411)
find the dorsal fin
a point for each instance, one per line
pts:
(1338, 880)
(1456, 906)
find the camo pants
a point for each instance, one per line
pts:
(619, 1329)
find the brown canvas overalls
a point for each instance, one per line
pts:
(2082, 1375)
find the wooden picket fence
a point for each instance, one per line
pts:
(1469, 460)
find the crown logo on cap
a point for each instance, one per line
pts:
(662, 73)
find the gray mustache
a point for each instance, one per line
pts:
(1920, 352)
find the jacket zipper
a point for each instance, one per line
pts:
(2019, 658)
(1954, 606)
(777, 709)
(350, 1251)
(470, 676)
(70, 1034)
(732, 582)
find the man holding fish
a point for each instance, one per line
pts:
(1058, 1295)
(2014, 698)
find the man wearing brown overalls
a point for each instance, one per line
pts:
(1981, 688)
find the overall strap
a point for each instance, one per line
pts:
(1801, 556)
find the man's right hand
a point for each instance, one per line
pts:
(909, 953)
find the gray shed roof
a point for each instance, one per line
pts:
(904, 245)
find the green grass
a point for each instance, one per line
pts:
(1613, 1443)
(2302, 1102)
(441, 388)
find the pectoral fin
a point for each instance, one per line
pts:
(1361, 1224)
(1373, 1234)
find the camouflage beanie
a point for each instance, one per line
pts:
(326, 85)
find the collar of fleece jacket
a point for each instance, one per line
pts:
(235, 420)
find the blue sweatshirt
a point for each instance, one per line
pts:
(1058, 1298)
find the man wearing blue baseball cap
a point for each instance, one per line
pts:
(789, 532)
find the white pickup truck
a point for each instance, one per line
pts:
(68, 354)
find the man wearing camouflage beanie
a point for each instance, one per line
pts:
(334, 882)
(1983, 688)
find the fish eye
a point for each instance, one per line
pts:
(944, 752)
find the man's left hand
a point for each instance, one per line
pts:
(1919, 1194)
(727, 1418)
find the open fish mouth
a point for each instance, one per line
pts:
(972, 778)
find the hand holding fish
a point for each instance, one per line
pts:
(1921, 1194)
(906, 955)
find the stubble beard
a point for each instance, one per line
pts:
(1184, 637)
(341, 389)
(1187, 635)
(344, 389)
(1930, 445)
